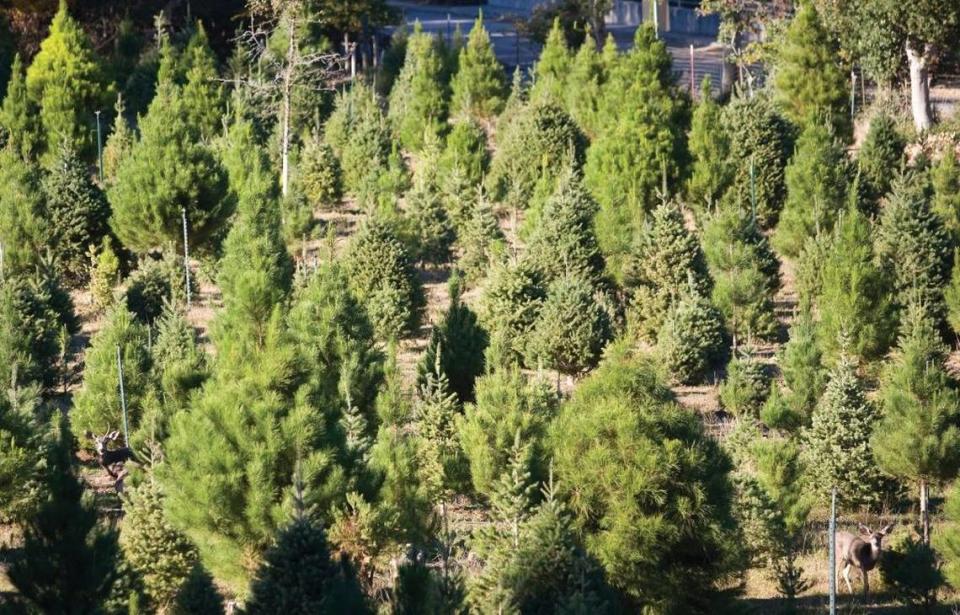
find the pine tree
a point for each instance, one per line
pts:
(199, 596)
(709, 144)
(23, 443)
(637, 148)
(816, 189)
(801, 362)
(571, 329)
(746, 386)
(300, 575)
(506, 405)
(611, 444)
(104, 274)
(167, 171)
(563, 240)
(460, 342)
(855, 298)
(586, 78)
(759, 147)
(119, 143)
(745, 273)
(478, 88)
(155, 550)
(21, 231)
(382, 277)
(692, 339)
(202, 94)
(97, 405)
(462, 166)
(18, 116)
(665, 263)
(320, 174)
(67, 563)
(951, 295)
(918, 438)
(945, 180)
(418, 100)
(809, 83)
(914, 247)
(432, 231)
(442, 466)
(77, 212)
(537, 144)
(552, 68)
(481, 241)
(66, 82)
(179, 365)
(336, 345)
(837, 447)
(947, 540)
(882, 153)
(512, 299)
(360, 137)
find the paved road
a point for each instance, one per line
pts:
(513, 50)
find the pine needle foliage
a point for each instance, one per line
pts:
(418, 100)
(809, 82)
(837, 447)
(383, 279)
(479, 87)
(816, 189)
(68, 562)
(617, 441)
(66, 81)
(18, 116)
(77, 212)
(881, 154)
(709, 144)
(665, 263)
(692, 340)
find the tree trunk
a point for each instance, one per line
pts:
(920, 85)
(924, 511)
(285, 112)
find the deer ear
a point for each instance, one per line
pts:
(887, 529)
(113, 435)
(864, 529)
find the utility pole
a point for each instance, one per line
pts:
(693, 79)
(853, 93)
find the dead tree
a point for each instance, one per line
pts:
(273, 77)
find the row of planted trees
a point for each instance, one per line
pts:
(295, 463)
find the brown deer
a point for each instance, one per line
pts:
(862, 551)
(107, 457)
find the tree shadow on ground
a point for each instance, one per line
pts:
(880, 603)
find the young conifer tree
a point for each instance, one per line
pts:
(945, 180)
(67, 83)
(77, 212)
(809, 82)
(855, 296)
(913, 246)
(67, 562)
(816, 189)
(666, 263)
(168, 170)
(18, 115)
(552, 68)
(585, 83)
(418, 100)
(918, 438)
(801, 362)
(479, 88)
(709, 145)
(202, 93)
(21, 207)
(881, 154)
(837, 447)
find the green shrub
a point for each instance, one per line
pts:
(910, 568)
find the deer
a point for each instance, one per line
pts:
(862, 551)
(107, 458)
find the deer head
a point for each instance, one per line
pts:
(100, 442)
(874, 539)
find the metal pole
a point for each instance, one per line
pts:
(853, 93)
(123, 397)
(656, 19)
(833, 551)
(693, 79)
(753, 190)
(186, 253)
(99, 146)
(449, 39)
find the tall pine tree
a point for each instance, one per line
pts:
(479, 87)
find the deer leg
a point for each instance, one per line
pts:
(846, 577)
(866, 585)
(109, 470)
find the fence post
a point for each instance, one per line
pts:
(123, 398)
(99, 146)
(693, 79)
(833, 551)
(186, 253)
